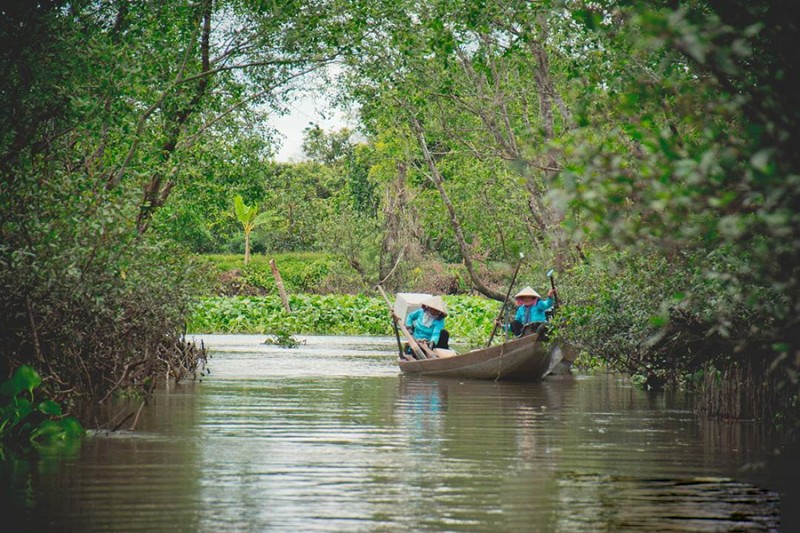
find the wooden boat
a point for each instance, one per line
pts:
(519, 359)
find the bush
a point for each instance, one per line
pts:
(104, 328)
(666, 318)
(321, 273)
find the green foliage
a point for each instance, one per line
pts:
(244, 213)
(325, 315)
(644, 314)
(301, 272)
(27, 424)
(470, 319)
(86, 299)
(337, 152)
(327, 148)
(322, 273)
(300, 196)
(711, 193)
(250, 219)
(612, 312)
(199, 214)
(97, 127)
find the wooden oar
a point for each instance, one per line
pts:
(415, 346)
(553, 285)
(397, 336)
(505, 301)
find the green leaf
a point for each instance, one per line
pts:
(24, 379)
(72, 428)
(49, 407)
(47, 430)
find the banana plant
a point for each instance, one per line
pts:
(250, 219)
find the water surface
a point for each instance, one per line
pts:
(330, 437)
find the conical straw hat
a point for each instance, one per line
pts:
(436, 302)
(527, 291)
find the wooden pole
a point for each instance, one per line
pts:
(553, 285)
(505, 301)
(279, 283)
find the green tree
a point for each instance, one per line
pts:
(477, 93)
(105, 109)
(199, 214)
(713, 191)
(663, 132)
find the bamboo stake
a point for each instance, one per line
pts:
(279, 283)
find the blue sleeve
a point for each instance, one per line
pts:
(546, 304)
(412, 317)
(520, 314)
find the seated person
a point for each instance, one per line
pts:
(426, 324)
(531, 314)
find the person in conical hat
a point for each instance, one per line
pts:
(426, 324)
(531, 313)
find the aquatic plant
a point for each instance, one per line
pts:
(470, 319)
(27, 423)
(283, 338)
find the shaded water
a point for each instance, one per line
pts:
(329, 437)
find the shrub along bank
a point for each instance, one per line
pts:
(684, 327)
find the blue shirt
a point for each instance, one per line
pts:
(533, 313)
(421, 331)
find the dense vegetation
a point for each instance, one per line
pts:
(470, 323)
(644, 150)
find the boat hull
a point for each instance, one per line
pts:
(522, 359)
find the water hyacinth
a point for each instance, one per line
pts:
(469, 321)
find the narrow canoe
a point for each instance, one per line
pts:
(520, 359)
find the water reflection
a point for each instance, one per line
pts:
(328, 437)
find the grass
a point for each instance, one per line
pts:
(224, 262)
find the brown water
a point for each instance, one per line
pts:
(329, 437)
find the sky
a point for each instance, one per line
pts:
(312, 105)
(305, 111)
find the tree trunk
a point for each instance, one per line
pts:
(395, 206)
(159, 187)
(437, 180)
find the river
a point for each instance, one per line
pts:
(329, 436)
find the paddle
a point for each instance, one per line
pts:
(415, 346)
(503, 307)
(553, 285)
(557, 354)
(397, 336)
